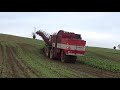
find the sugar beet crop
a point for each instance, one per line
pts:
(23, 57)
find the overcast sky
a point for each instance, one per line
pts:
(99, 29)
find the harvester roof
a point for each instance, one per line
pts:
(66, 34)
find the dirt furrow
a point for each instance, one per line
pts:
(83, 68)
(93, 71)
(1, 57)
(79, 67)
(24, 66)
(22, 69)
(20, 64)
(6, 70)
(15, 68)
(1, 60)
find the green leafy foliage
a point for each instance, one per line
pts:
(102, 58)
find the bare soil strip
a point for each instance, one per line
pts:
(83, 68)
(30, 72)
(13, 66)
(6, 70)
(1, 56)
(93, 71)
(17, 69)
(1, 60)
(79, 67)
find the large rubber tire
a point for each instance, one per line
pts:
(43, 49)
(63, 57)
(73, 59)
(47, 52)
(67, 58)
(52, 53)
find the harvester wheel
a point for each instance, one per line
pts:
(67, 58)
(47, 52)
(73, 59)
(63, 57)
(43, 49)
(51, 54)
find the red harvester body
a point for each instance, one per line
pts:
(63, 45)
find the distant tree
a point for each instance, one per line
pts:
(114, 47)
(34, 36)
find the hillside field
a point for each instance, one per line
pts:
(22, 57)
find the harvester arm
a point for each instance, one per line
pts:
(43, 35)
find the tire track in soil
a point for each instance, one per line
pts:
(16, 68)
(83, 68)
(25, 69)
(94, 71)
(6, 70)
(29, 48)
(32, 72)
(1, 60)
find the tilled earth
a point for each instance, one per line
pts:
(12, 66)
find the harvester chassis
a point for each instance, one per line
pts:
(49, 52)
(65, 46)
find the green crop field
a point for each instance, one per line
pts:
(23, 57)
